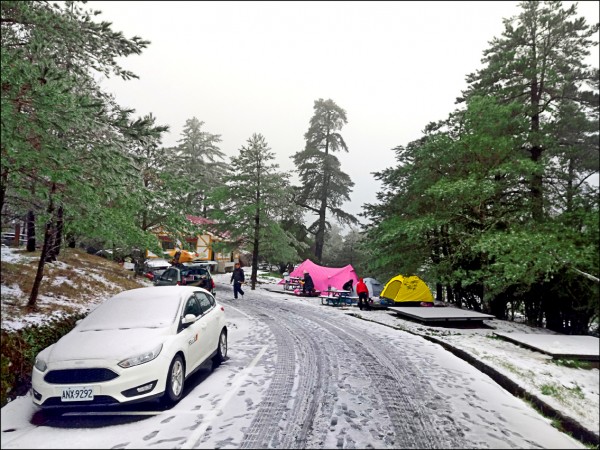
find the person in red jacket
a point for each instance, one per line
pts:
(363, 294)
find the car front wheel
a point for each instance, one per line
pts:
(175, 381)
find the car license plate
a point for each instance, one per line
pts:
(77, 394)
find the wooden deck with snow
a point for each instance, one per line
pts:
(441, 315)
(558, 346)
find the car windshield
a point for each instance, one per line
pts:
(194, 271)
(155, 310)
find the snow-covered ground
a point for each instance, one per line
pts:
(572, 391)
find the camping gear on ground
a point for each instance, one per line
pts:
(406, 291)
(375, 287)
(324, 277)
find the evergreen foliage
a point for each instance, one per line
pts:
(323, 186)
(492, 204)
(64, 155)
(254, 200)
(199, 166)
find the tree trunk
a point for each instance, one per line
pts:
(60, 224)
(47, 239)
(570, 192)
(537, 200)
(255, 247)
(254, 273)
(320, 236)
(436, 244)
(57, 241)
(450, 295)
(3, 183)
(17, 238)
(536, 187)
(30, 225)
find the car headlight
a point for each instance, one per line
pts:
(40, 364)
(141, 358)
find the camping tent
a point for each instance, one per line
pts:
(375, 287)
(403, 290)
(325, 277)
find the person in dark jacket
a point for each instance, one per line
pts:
(237, 278)
(308, 287)
(348, 285)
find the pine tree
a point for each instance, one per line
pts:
(255, 196)
(539, 62)
(200, 164)
(323, 186)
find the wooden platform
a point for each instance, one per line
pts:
(559, 346)
(442, 315)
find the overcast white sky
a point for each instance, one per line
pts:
(258, 67)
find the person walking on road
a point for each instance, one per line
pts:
(363, 295)
(237, 278)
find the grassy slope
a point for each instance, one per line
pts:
(75, 283)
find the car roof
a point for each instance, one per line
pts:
(152, 262)
(149, 307)
(200, 263)
(165, 292)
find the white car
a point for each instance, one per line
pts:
(154, 267)
(139, 345)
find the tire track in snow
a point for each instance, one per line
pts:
(284, 419)
(305, 337)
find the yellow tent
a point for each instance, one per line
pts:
(407, 289)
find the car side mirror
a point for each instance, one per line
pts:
(188, 319)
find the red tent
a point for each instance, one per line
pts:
(325, 277)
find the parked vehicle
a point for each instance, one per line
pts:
(139, 345)
(154, 267)
(182, 275)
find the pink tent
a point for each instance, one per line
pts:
(325, 277)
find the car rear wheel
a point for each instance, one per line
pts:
(175, 381)
(221, 348)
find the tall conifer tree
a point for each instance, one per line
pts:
(323, 186)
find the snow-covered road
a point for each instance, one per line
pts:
(301, 375)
